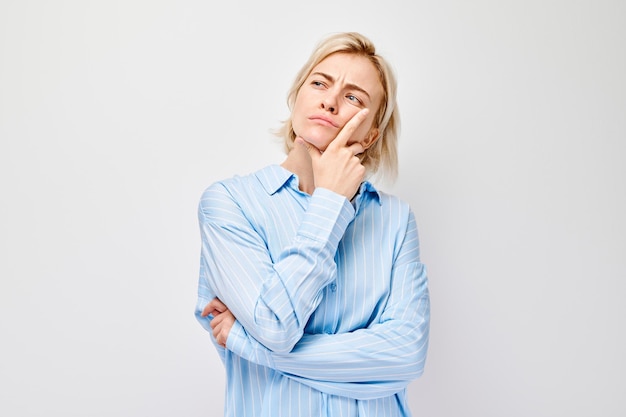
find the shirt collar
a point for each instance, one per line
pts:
(275, 177)
(367, 190)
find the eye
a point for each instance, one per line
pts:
(354, 98)
(319, 84)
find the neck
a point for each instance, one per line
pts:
(299, 162)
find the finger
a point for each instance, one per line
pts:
(208, 309)
(348, 129)
(220, 335)
(356, 148)
(216, 334)
(215, 305)
(216, 321)
(218, 305)
(312, 150)
(220, 318)
(220, 339)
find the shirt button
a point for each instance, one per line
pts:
(333, 287)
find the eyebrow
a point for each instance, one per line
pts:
(349, 85)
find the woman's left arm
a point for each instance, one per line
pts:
(367, 363)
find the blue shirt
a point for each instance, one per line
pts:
(330, 297)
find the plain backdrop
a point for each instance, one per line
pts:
(115, 115)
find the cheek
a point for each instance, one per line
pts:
(298, 110)
(295, 119)
(302, 98)
(362, 131)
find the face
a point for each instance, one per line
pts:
(336, 89)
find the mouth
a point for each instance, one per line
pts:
(323, 121)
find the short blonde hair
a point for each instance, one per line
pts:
(382, 157)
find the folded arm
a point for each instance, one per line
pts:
(271, 298)
(372, 362)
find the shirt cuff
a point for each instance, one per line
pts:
(327, 217)
(242, 344)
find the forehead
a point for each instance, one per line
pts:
(352, 69)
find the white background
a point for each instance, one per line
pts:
(115, 115)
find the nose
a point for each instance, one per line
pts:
(329, 102)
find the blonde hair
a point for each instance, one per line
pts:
(382, 157)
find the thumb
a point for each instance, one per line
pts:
(314, 153)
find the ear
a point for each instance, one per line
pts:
(371, 138)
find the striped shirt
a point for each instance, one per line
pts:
(330, 297)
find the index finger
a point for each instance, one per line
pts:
(348, 129)
(214, 305)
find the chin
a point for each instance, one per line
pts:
(321, 142)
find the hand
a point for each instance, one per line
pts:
(338, 168)
(222, 321)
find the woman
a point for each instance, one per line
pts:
(310, 279)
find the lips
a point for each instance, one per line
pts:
(323, 120)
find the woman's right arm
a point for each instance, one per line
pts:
(272, 299)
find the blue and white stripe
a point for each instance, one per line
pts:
(331, 299)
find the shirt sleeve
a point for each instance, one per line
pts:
(271, 298)
(373, 362)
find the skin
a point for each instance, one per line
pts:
(333, 118)
(222, 321)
